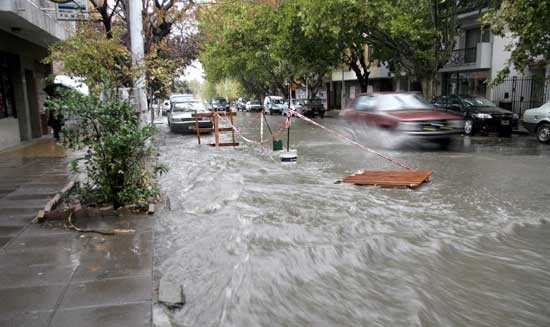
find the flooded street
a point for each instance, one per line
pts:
(258, 243)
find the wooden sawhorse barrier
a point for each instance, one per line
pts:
(215, 116)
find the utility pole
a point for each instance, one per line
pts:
(136, 43)
(342, 93)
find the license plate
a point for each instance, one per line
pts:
(505, 122)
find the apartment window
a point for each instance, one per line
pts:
(466, 83)
(476, 35)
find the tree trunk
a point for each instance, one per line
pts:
(362, 76)
(428, 89)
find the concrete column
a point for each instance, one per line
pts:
(136, 42)
(21, 102)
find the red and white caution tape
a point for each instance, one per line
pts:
(277, 131)
(311, 121)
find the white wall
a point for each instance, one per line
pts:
(9, 133)
(500, 55)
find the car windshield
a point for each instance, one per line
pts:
(189, 106)
(404, 101)
(277, 101)
(477, 102)
(180, 98)
(313, 101)
(218, 101)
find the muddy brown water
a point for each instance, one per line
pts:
(257, 243)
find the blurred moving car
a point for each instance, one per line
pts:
(241, 104)
(219, 104)
(180, 116)
(274, 103)
(307, 107)
(537, 121)
(404, 112)
(480, 114)
(253, 105)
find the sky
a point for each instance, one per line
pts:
(194, 72)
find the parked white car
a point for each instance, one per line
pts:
(274, 104)
(180, 117)
(253, 105)
(537, 121)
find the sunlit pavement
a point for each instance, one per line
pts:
(50, 276)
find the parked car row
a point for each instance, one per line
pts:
(411, 114)
(405, 112)
(307, 107)
(278, 105)
(245, 104)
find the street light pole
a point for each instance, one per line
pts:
(342, 93)
(136, 44)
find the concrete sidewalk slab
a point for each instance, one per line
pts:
(52, 276)
(125, 315)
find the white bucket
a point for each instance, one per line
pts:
(288, 157)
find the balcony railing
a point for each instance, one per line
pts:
(463, 57)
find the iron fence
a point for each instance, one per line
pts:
(521, 93)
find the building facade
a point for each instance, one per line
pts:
(27, 28)
(477, 58)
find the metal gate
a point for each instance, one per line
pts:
(521, 93)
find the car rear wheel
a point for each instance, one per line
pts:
(469, 126)
(543, 133)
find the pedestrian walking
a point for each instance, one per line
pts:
(55, 121)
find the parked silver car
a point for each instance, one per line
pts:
(180, 117)
(254, 105)
(537, 121)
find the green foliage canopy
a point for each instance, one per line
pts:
(100, 60)
(527, 23)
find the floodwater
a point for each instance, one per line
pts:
(258, 243)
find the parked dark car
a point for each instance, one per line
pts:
(404, 112)
(307, 107)
(480, 114)
(219, 104)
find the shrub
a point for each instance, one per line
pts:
(116, 148)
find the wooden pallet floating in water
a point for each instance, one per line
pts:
(389, 178)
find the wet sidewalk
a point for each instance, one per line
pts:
(51, 276)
